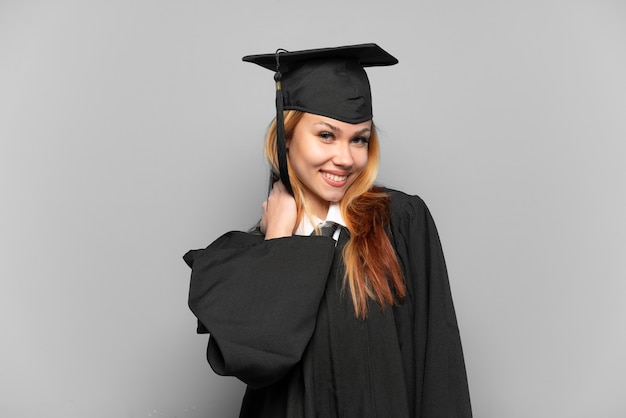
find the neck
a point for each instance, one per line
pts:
(320, 209)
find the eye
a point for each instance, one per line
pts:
(361, 140)
(326, 136)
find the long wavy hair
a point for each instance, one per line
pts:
(372, 270)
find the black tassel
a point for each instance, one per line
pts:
(281, 140)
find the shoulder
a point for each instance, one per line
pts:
(403, 204)
(410, 217)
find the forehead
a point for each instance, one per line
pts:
(311, 119)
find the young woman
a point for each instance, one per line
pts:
(359, 323)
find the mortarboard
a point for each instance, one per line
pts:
(327, 81)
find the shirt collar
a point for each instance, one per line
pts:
(333, 215)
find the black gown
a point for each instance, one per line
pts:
(280, 322)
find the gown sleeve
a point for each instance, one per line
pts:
(426, 321)
(258, 299)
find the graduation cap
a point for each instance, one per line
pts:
(329, 82)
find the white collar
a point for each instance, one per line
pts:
(333, 215)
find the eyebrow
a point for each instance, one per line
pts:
(337, 129)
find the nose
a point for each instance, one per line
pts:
(343, 156)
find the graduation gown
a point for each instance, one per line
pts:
(280, 322)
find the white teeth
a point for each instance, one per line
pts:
(334, 177)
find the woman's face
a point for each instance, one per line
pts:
(327, 156)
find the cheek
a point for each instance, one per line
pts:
(360, 159)
(305, 154)
(298, 161)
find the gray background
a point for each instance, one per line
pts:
(130, 131)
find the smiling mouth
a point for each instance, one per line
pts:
(334, 177)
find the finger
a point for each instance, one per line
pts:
(279, 186)
(277, 190)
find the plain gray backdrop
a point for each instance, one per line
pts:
(130, 132)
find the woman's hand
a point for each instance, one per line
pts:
(279, 213)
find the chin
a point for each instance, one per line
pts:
(334, 197)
